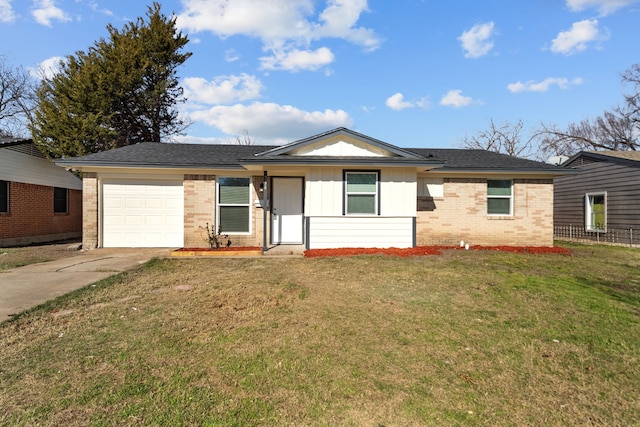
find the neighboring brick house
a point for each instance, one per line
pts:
(39, 201)
(336, 189)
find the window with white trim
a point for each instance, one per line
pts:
(361, 192)
(4, 196)
(234, 205)
(595, 212)
(500, 197)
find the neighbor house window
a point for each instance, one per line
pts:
(596, 211)
(234, 205)
(500, 197)
(361, 193)
(60, 200)
(4, 196)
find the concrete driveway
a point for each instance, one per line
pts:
(25, 287)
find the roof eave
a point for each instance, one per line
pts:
(72, 164)
(533, 171)
(340, 162)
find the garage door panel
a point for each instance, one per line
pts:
(132, 203)
(143, 213)
(133, 220)
(154, 202)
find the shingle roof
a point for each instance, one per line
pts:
(8, 142)
(631, 158)
(153, 154)
(166, 155)
(628, 155)
(482, 160)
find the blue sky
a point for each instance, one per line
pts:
(414, 73)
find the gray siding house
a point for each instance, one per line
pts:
(601, 200)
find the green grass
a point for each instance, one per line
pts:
(466, 338)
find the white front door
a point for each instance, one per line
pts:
(286, 211)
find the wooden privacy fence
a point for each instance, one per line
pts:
(613, 236)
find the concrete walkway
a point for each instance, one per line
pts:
(25, 287)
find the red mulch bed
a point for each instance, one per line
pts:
(229, 248)
(430, 250)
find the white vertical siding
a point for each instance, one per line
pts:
(360, 232)
(324, 192)
(398, 192)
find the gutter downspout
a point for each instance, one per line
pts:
(265, 199)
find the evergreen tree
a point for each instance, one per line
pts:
(122, 91)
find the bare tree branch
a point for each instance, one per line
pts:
(17, 91)
(245, 139)
(503, 139)
(617, 129)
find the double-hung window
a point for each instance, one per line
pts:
(60, 204)
(4, 196)
(361, 192)
(500, 197)
(234, 205)
(595, 211)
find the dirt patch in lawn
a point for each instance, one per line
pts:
(25, 255)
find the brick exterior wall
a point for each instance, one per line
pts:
(462, 215)
(200, 209)
(31, 218)
(89, 210)
(256, 238)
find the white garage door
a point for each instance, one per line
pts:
(142, 214)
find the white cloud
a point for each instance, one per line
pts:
(6, 11)
(222, 89)
(45, 11)
(295, 60)
(545, 85)
(47, 68)
(454, 98)
(605, 7)
(96, 8)
(477, 42)
(230, 55)
(271, 122)
(397, 102)
(285, 27)
(577, 38)
(340, 18)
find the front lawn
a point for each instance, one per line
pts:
(462, 338)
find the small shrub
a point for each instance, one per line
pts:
(215, 239)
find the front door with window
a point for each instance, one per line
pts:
(286, 211)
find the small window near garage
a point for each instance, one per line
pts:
(60, 200)
(596, 212)
(234, 205)
(500, 197)
(4, 196)
(361, 193)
